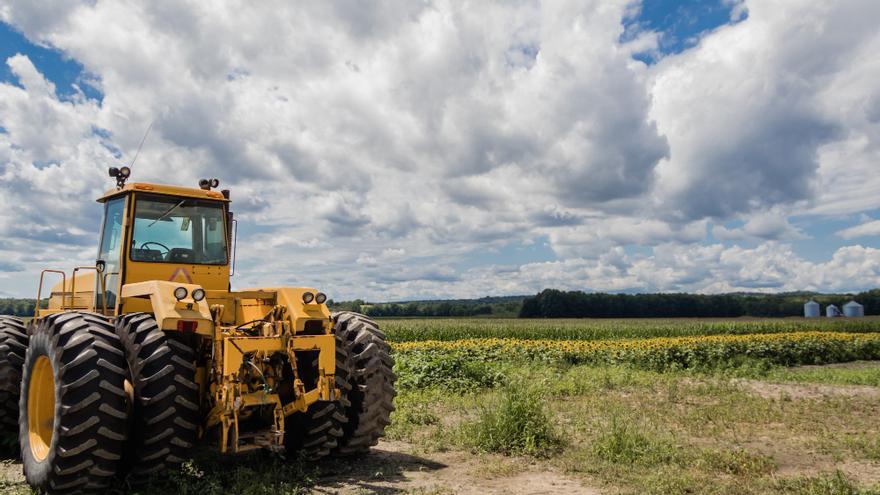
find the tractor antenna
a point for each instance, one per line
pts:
(122, 174)
(138, 152)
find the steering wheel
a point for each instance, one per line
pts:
(163, 246)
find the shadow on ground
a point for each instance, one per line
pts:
(373, 473)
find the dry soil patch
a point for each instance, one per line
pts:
(390, 469)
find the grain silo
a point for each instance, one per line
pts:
(811, 309)
(831, 311)
(853, 309)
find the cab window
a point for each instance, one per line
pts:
(179, 230)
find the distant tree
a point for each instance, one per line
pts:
(552, 303)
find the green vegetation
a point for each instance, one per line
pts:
(667, 414)
(661, 353)
(17, 307)
(416, 329)
(552, 303)
(622, 443)
(637, 431)
(247, 475)
(452, 372)
(515, 424)
(508, 306)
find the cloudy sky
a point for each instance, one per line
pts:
(417, 149)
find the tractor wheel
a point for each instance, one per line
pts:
(315, 433)
(72, 405)
(165, 411)
(13, 345)
(372, 382)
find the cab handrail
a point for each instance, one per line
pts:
(40, 288)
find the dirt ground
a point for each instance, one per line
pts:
(391, 470)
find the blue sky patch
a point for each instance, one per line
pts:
(514, 253)
(63, 71)
(680, 23)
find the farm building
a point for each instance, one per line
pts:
(853, 309)
(811, 309)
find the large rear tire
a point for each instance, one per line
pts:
(372, 378)
(13, 346)
(314, 434)
(72, 404)
(165, 410)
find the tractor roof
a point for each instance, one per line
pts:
(189, 192)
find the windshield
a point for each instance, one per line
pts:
(179, 230)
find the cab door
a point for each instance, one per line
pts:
(110, 252)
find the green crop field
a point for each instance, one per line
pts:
(415, 329)
(648, 405)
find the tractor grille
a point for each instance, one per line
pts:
(313, 327)
(307, 368)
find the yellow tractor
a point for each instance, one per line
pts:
(148, 351)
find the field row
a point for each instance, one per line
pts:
(792, 348)
(418, 329)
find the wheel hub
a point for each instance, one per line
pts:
(41, 408)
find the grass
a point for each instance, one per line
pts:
(516, 424)
(640, 431)
(621, 442)
(836, 483)
(256, 474)
(869, 376)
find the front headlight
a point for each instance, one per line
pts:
(320, 298)
(198, 294)
(308, 297)
(180, 293)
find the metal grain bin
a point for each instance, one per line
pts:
(853, 309)
(831, 311)
(811, 309)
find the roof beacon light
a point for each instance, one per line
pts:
(121, 174)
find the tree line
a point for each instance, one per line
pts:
(487, 306)
(552, 303)
(17, 307)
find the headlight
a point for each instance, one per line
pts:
(180, 293)
(308, 297)
(198, 294)
(320, 298)
(124, 171)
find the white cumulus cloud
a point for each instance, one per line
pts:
(392, 150)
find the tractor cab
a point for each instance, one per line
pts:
(152, 232)
(157, 232)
